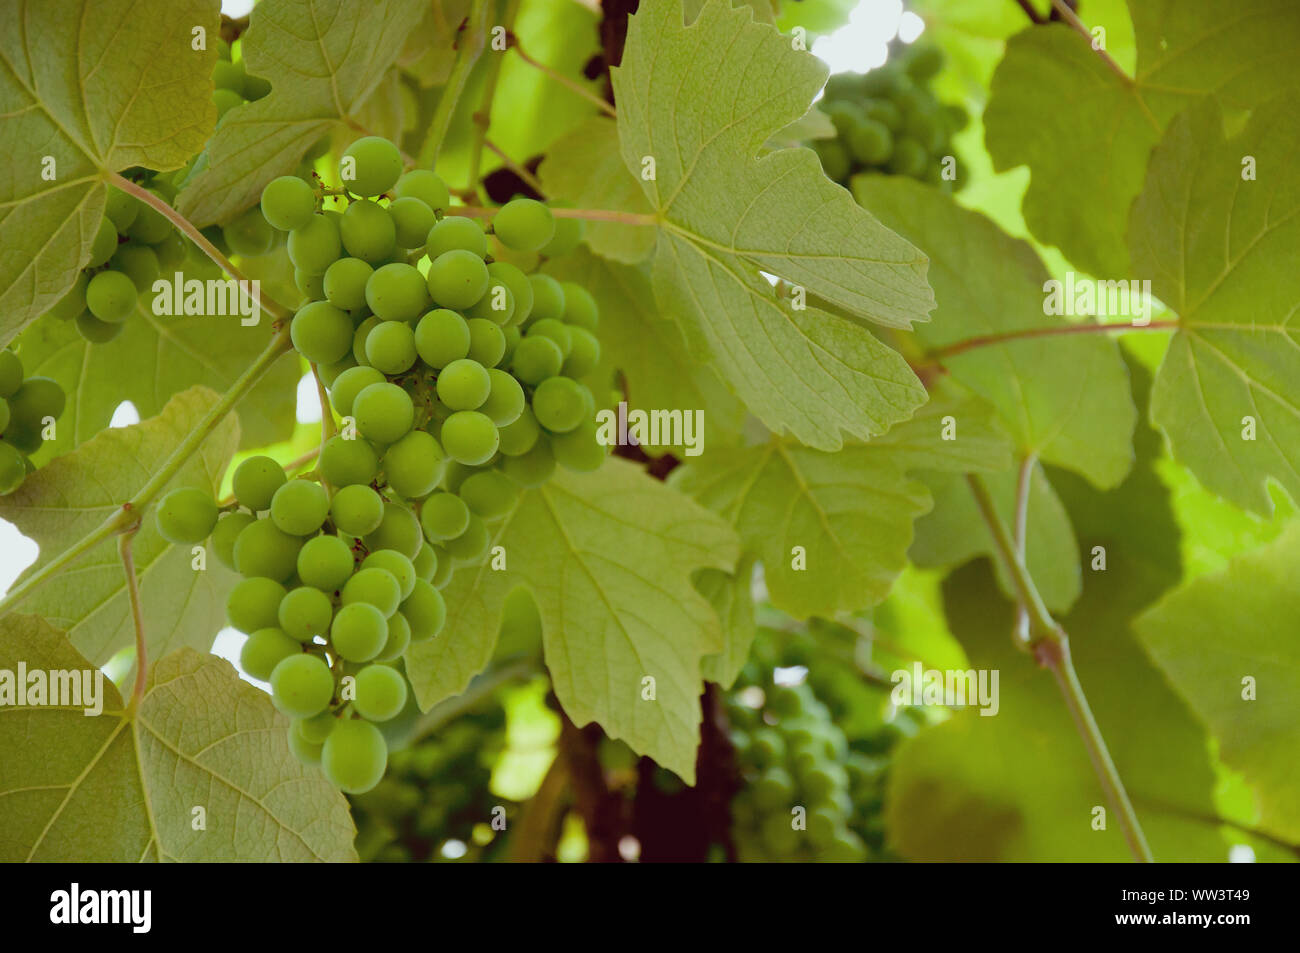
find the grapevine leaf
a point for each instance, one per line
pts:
(733, 600)
(585, 169)
(1210, 636)
(698, 102)
(608, 558)
(124, 787)
(78, 100)
(324, 59)
(1211, 243)
(1064, 399)
(642, 345)
(1052, 87)
(850, 512)
(72, 495)
(430, 50)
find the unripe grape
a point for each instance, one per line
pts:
(560, 404)
(359, 631)
(305, 612)
(579, 449)
(497, 304)
(397, 565)
(579, 306)
(186, 515)
(357, 510)
(415, 464)
(584, 355)
(457, 279)
(36, 399)
(96, 331)
(384, 412)
(301, 686)
(346, 462)
(469, 547)
(505, 400)
(254, 604)
(312, 286)
(886, 113)
(13, 469)
(568, 235)
(456, 232)
(518, 437)
(524, 225)
(307, 752)
(264, 650)
(300, 507)
(321, 332)
(111, 296)
(425, 610)
(256, 480)
(225, 533)
(463, 384)
(444, 516)
(548, 297)
(288, 203)
(317, 728)
(316, 245)
(399, 529)
(536, 358)
(425, 562)
(442, 336)
(489, 494)
(469, 437)
(390, 347)
(249, 234)
(120, 208)
(325, 562)
(11, 373)
(381, 692)
(532, 468)
(329, 373)
(399, 637)
(423, 185)
(413, 219)
(150, 225)
(909, 158)
(444, 568)
(487, 342)
(368, 232)
(263, 549)
(350, 383)
(375, 586)
(521, 289)
(74, 302)
(361, 335)
(104, 244)
(370, 166)
(557, 331)
(354, 757)
(345, 283)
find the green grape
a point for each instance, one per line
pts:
(518, 437)
(444, 516)
(345, 462)
(329, 373)
(399, 637)
(307, 752)
(579, 449)
(325, 562)
(316, 245)
(381, 692)
(505, 400)
(368, 232)
(521, 289)
(228, 75)
(390, 347)
(345, 283)
(359, 631)
(256, 480)
(288, 202)
(441, 337)
(955, 118)
(456, 233)
(5, 414)
(312, 286)
(300, 507)
(225, 533)
(489, 494)
(533, 467)
(397, 292)
(317, 728)
(139, 263)
(74, 302)
(186, 515)
(487, 342)
(401, 568)
(560, 404)
(869, 142)
(96, 331)
(104, 244)
(11, 373)
(357, 510)
(264, 650)
(909, 158)
(834, 158)
(425, 610)
(412, 219)
(423, 185)
(249, 234)
(773, 790)
(36, 399)
(111, 296)
(254, 603)
(150, 225)
(301, 686)
(497, 304)
(399, 529)
(464, 384)
(172, 253)
(580, 307)
(370, 166)
(354, 757)
(457, 279)
(120, 208)
(443, 569)
(226, 100)
(567, 237)
(886, 113)
(321, 332)
(415, 464)
(351, 383)
(13, 469)
(548, 298)
(24, 438)
(263, 549)
(469, 437)
(524, 225)
(384, 412)
(557, 331)
(536, 358)
(425, 562)
(923, 62)
(469, 547)
(304, 613)
(360, 336)
(584, 355)
(375, 586)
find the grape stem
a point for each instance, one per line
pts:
(469, 46)
(327, 428)
(990, 340)
(1072, 18)
(1024, 481)
(1050, 647)
(531, 180)
(483, 115)
(137, 613)
(128, 514)
(569, 84)
(588, 214)
(272, 307)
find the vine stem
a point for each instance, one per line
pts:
(483, 115)
(272, 307)
(531, 180)
(589, 214)
(1072, 18)
(988, 340)
(1051, 648)
(569, 84)
(128, 513)
(469, 45)
(327, 428)
(1023, 482)
(124, 543)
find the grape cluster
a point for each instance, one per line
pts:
(437, 791)
(889, 121)
(791, 755)
(25, 405)
(233, 85)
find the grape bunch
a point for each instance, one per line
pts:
(437, 791)
(26, 405)
(791, 755)
(232, 84)
(888, 120)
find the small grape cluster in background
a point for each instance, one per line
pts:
(233, 84)
(25, 402)
(889, 121)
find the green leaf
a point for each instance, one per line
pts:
(608, 557)
(1212, 634)
(78, 91)
(430, 50)
(1064, 399)
(324, 60)
(850, 512)
(733, 600)
(150, 361)
(637, 341)
(585, 168)
(72, 495)
(725, 213)
(125, 787)
(1211, 243)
